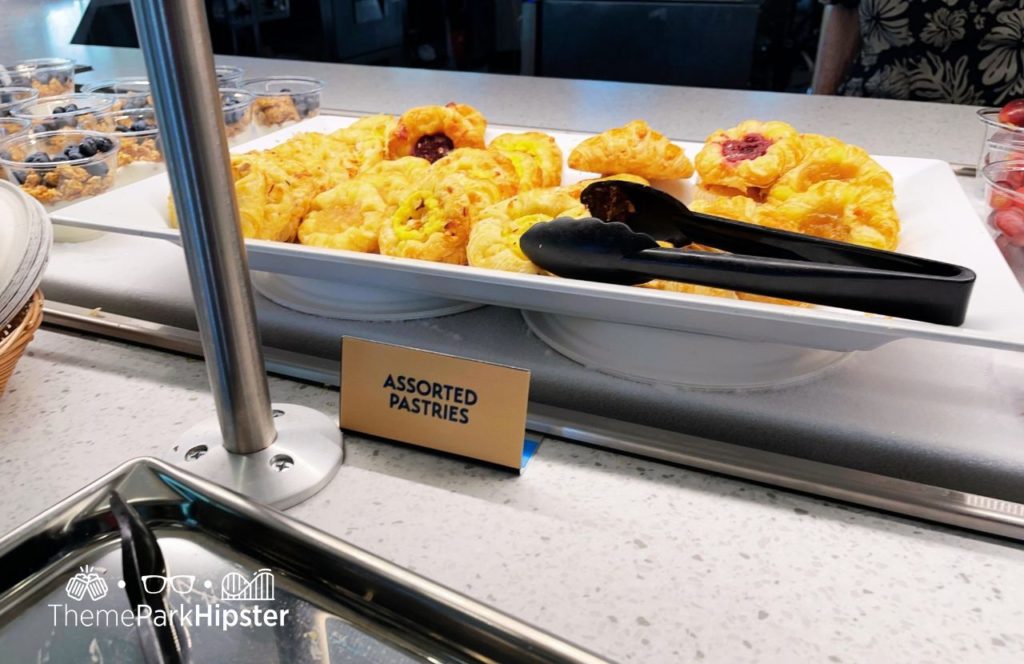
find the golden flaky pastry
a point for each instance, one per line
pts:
(634, 148)
(536, 156)
(431, 132)
(738, 208)
(713, 192)
(485, 176)
(693, 289)
(347, 216)
(827, 158)
(317, 160)
(838, 211)
(577, 188)
(270, 203)
(494, 239)
(751, 154)
(394, 178)
(432, 224)
(364, 142)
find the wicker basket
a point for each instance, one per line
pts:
(15, 337)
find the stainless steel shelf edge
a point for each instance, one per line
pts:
(932, 503)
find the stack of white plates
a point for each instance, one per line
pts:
(25, 239)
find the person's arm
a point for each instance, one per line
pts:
(837, 47)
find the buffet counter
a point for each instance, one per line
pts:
(651, 562)
(636, 560)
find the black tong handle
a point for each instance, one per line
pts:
(779, 263)
(887, 292)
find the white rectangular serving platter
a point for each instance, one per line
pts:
(937, 218)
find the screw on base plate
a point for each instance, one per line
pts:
(305, 456)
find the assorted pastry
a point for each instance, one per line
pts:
(428, 185)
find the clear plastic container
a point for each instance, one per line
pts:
(283, 100)
(1003, 142)
(51, 77)
(11, 128)
(58, 168)
(1004, 198)
(141, 154)
(128, 92)
(237, 107)
(13, 97)
(78, 111)
(228, 76)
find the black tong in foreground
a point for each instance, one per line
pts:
(765, 261)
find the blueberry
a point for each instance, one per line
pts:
(73, 154)
(70, 108)
(87, 147)
(20, 176)
(37, 158)
(104, 144)
(4, 154)
(59, 157)
(58, 109)
(231, 117)
(141, 125)
(122, 128)
(99, 170)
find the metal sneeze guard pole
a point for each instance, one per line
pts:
(241, 449)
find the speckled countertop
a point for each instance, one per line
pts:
(639, 561)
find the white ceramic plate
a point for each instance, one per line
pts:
(938, 222)
(25, 241)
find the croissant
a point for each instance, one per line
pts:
(634, 148)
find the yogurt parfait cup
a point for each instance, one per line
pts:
(83, 111)
(228, 76)
(13, 97)
(237, 107)
(283, 100)
(11, 128)
(50, 77)
(127, 93)
(140, 154)
(59, 168)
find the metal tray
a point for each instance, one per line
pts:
(61, 596)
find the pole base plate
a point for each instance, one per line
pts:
(303, 459)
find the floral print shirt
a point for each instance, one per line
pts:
(957, 51)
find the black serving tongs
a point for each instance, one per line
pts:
(765, 261)
(162, 642)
